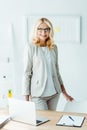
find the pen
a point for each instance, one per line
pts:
(71, 118)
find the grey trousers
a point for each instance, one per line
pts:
(45, 103)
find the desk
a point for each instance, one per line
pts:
(53, 116)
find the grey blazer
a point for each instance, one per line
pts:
(35, 71)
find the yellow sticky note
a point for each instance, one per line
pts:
(56, 29)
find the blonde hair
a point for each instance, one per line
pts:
(35, 39)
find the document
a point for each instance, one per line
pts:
(4, 120)
(71, 120)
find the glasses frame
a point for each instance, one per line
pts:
(46, 30)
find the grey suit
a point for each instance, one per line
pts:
(35, 71)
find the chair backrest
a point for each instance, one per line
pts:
(74, 106)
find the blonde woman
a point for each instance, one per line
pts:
(42, 82)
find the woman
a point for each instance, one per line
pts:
(42, 82)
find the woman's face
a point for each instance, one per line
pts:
(43, 32)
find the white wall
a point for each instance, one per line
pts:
(72, 57)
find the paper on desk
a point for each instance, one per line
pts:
(71, 120)
(3, 120)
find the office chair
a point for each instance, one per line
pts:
(74, 106)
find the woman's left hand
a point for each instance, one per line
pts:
(68, 97)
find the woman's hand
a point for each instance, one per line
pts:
(68, 97)
(26, 97)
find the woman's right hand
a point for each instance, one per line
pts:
(26, 97)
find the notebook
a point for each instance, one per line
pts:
(3, 120)
(24, 111)
(71, 120)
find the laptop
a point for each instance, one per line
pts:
(25, 112)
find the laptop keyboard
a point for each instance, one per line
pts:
(38, 121)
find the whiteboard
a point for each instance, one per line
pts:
(66, 28)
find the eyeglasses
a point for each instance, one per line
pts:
(43, 29)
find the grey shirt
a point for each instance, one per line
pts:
(35, 71)
(50, 88)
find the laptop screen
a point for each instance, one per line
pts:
(23, 111)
